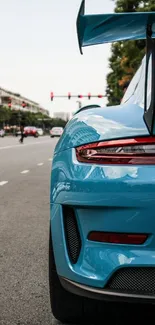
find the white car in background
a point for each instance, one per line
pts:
(40, 131)
(2, 133)
(56, 132)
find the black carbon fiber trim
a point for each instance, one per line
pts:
(106, 295)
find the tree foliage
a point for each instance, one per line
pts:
(126, 56)
(16, 118)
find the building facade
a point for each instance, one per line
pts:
(62, 115)
(17, 102)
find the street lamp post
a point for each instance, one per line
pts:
(79, 103)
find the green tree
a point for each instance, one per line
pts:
(16, 118)
(5, 114)
(126, 56)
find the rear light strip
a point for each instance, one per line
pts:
(117, 238)
(137, 151)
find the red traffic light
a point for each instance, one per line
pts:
(100, 96)
(89, 95)
(80, 96)
(69, 95)
(52, 96)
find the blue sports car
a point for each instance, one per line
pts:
(102, 201)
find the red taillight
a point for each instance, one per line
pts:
(117, 238)
(138, 151)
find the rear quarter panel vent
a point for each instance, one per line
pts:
(72, 234)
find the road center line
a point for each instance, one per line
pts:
(3, 183)
(24, 172)
(40, 164)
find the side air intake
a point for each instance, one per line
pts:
(72, 234)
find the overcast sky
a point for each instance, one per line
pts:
(39, 51)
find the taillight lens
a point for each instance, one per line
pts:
(138, 151)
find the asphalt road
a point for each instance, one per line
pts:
(24, 224)
(24, 230)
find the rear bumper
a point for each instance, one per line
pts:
(104, 198)
(97, 262)
(102, 294)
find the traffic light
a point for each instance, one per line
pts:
(69, 95)
(23, 104)
(9, 102)
(89, 95)
(100, 96)
(52, 96)
(80, 96)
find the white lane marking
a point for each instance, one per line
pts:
(24, 172)
(40, 164)
(50, 159)
(23, 145)
(3, 183)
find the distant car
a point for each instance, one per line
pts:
(2, 133)
(31, 131)
(56, 132)
(40, 131)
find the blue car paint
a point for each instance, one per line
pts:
(107, 198)
(106, 123)
(106, 28)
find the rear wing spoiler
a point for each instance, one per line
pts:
(87, 107)
(107, 28)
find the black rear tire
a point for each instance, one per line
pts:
(67, 307)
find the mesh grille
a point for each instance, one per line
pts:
(73, 239)
(134, 281)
